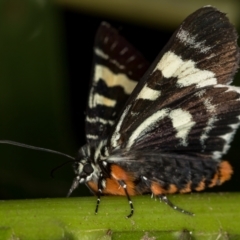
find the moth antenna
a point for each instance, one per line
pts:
(35, 148)
(58, 167)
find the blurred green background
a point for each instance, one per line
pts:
(45, 69)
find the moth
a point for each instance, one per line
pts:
(161, 129)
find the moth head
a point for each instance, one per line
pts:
(84, 168)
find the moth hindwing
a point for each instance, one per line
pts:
(165, 129)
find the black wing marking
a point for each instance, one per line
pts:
(116, 70)
(183, 103)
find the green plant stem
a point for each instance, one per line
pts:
(216, 215)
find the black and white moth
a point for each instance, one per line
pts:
(161, 129)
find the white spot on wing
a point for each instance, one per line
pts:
(102, 100)
(116, 135)
(200, 93)
(90, 136)
(229, 88)
(234, 88)
(103, 55)
(182, 123)
(169, 64)
(117, 64)
(187, 39)
(112, 79)
(209, 106)
(207, 129)
(100, 53)
(113, 46)
(123, 51)
(98, 151)
(148, 93)
(229, 136)
(100, 120)
(130, 59)
(134, 113)
(172, 65)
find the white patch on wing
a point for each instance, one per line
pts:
(117, 64)
(187, 39)
(234, 88)
(172, 65)
(207, 129)
(90, 136)
(130, 59)
(169, 64)
(182, 123)
(98, 150)
(100, 120)
(209, 106)
(101, 100)
(123, 51)
(235, 125)
(112, 79)
(100, 53)
(103, 55)
(148, 93)
(228, 138)
(88, 150)
(116, 135)
(200, 93)
(91, 99)
(146, 125)
(134, 113)
(229, 88)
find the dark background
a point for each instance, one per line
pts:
(45, 68)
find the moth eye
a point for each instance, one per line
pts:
(88, 168)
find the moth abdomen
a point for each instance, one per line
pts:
(169, 173)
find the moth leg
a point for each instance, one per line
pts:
(170, 204)
(146, 181)
(99, 192)
(124, 186)
(164, 198)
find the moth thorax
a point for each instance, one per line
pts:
(94, 151)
